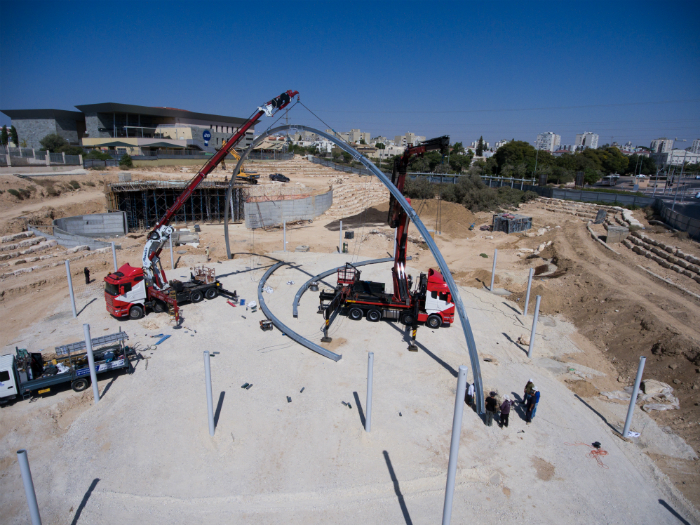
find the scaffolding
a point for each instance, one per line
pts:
(145, 202)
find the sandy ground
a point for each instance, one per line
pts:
(600, 312)
(144, 450)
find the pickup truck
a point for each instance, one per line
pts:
(25, 372)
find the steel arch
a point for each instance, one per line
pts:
(466, 326)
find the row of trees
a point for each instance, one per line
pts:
(6, 135)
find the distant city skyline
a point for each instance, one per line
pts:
(636, 82)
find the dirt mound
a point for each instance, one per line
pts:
(475, 279)
(455, 219)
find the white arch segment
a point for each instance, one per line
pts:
(466, 326)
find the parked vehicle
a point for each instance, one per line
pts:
(26, 372)
(278, 177)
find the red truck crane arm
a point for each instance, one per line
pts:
(161, 232)
(398, 218)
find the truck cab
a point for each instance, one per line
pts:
(8, 380)
(438, 309)
(125, 292)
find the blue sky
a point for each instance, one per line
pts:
(625, 70)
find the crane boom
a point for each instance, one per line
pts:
(398, 218)
(160, 234)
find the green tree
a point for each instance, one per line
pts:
(380, 145)
(346, 156)
(125, 162)
(641, 164)
(14, 136)
(4, 137)
(591, 176)
(458, 149)
(480, 147)
(516, 152)
(362, 141)
(53, 142)
(98, 155)
(71, 150)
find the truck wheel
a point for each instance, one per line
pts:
(355, 313)
(196, 296)
(434, 321)
(211, 293)
(159, 307)
(407, 319)
(136, 312)
(79, 384)
(374, 315)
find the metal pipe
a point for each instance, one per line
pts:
(415, 219)
(493, 270)
(284, 236)
(454, 445)
(210, 402)
(172, 259)
(340, 238)
(114, 257)
(529, 285)
(23, 461)
(70, 289)
(91, 362)
(633, 399)
(370, 369)
(534, 326)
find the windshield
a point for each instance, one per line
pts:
(112, 289)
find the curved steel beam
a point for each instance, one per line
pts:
(466, 326)
(305, 286)
(284, 328)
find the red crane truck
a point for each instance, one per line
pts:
(130, 290)
(430, 302)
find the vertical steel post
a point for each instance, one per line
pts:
(394, 243)
(28, 486)
(370, 375)
(493, 270)
(172, 259)
(633, 399)
(284, 236)
(210, 402)
(70, 289)
(91, 362)
(529, 285)
(534, 326)
(454, 445)
(340, 238)
(114, 257)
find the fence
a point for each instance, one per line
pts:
(89, 163)
(32, 157)
(678, 220)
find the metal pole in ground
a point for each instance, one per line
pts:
(114, 256)
(172, 259)
(210, 403)
(394, 243)
(91, 362)
(284, 236)
(340, 238)
(370, 375)
(534, 327)
(527, 295)
(633, 399)
(493, 271)
(28, 486)
(70, 289)
(454, 445)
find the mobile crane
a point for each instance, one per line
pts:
(129, 290)
(430, 302)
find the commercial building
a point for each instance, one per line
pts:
(695, 148)
(586, 140)
(662, 145)
(675, 157)
(476, 143)
(548, 141)
(133, 129)
(502, 143)
(354, 136)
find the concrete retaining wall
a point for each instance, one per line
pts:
(274, 212)
(678, 220)
(94, 225)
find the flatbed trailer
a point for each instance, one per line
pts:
(24, 372)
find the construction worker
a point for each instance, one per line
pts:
(87, 275)
(491, 408)
(207, 251)
(528, 391)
